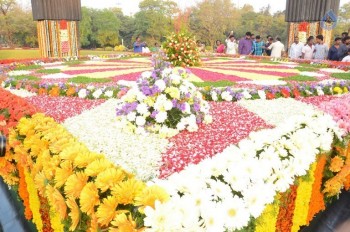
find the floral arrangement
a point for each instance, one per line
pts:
(163, 102)
(181, 50)
(219, 194)
(84, 191)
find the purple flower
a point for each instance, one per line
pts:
(181, 107)
(154, 114)
(196, 107)
(174, 101)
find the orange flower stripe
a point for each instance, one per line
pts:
(286, 212)
(317, 203)
(23, 193)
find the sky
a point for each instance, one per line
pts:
(131, 6)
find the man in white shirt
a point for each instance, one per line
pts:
(277, 48)
(308, 49)
(347, 58)
(231, 48)
(295, 51)
(321, 49)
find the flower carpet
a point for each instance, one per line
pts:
(258, 164)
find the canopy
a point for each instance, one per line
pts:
(310, 10)
(56, 10)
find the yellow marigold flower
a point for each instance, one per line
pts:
(73, 151)
(126, 191)
(25, 127)
(58, 146)
(149, 196)
(75, 183)
(62, 173)
(333, 187)
(124, 223)
(336, 164)
(74, 213)
(109, 178)
(107, 210)
(85, 158)
(93, 224)
(89, 198)
(57, 201)
(40, 182)
(337, 90)
(98, 166)
(345, 90)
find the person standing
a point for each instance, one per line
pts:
(220, 47)
(347, 58)
(231, 46)
(138, 45)
(277, 48)
(321, 49)
(343, 50)
(309, 49)
(245, 44)
(334, 53)
(258, 46)
(269, 42)
(295, 51)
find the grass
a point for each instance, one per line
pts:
(49, 71)
(25, 77)
(88, 80)
(345, 76)
(73, 62)
(299, 78)
(35, 54)
(29, 67)
(306, 69)
(223, 83)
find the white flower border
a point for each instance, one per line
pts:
(254, 169)
(102, 133)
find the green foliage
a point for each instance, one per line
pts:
(154, 21)
(73, 62)
(307, 69)
(25, 77)
(344, 76)
(222, 83)
(108, 48)
(88, 80)
(49, 71)
(299, 78)
(28, 67)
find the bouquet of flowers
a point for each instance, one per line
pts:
(181, 50)
(163, 102)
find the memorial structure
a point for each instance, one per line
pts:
(311, 18)
(57, 22)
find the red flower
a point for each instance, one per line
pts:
(296, 93)
(285, 93)
(270, 96)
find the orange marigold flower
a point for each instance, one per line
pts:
(54, 92)
(70, 91)
(42, 91)
(89, 198)
(336, 164)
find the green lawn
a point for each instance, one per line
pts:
(299, 78)
(27, 54)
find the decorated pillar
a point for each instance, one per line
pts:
(311, 18)
(57, 27)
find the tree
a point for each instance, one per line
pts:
(154, 21)
(211, 19)
(85, 27)
(6, 6)
(127, 27)
(343, 20)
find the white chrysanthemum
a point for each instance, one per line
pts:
(214, 96)
(161, 117)
(131, 116)
(160, 84)
(235, 213)
(140, 121)
(109, 93)
(82, 93)
(97, 94)
(142, 108)
(226, 96)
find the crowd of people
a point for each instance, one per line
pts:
(313, 49)
(251, 45)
